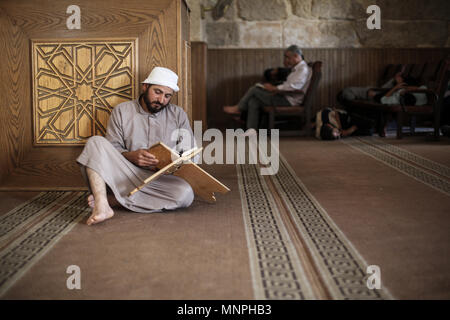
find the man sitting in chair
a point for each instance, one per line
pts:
(286, 94)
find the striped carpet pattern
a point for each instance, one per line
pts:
(407, 156)
(30, 230)
(340, 266)
(276, 269)
(426, 171)
(342, 271)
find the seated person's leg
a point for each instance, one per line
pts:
(355, 93)
(260, 99)
(243, 103)
(267, 98)
(253, 113)
(101, 210)
(377, 97)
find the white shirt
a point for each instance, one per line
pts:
(298, 79)
(421, 98)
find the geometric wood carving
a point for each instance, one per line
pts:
(76, 85)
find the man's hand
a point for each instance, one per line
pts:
(395, 88)
(141, 158)
(400, 85)
(270, 87)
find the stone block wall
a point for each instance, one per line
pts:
(323, 24)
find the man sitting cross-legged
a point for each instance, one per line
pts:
(121, 159)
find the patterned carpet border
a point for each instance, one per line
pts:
(339, 264)
(401, 165)
(408, 156)
(22, 253)
(20, 216)
(275, 266)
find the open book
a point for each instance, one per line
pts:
(203, 184)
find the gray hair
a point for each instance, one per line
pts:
(296, 49)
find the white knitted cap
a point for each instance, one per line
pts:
(163, 77)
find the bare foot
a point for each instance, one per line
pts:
(231, 110)
(101, 211)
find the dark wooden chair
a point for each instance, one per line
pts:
(304, 111)
(434, 75)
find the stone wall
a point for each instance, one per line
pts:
(322, 24)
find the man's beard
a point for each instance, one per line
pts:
(148, 103)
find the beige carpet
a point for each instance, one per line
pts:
(195, 253)
(308, 232)
(394, 215)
